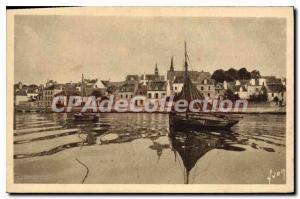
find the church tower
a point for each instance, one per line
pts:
(172, 65)
(171, 71)
(156, 70)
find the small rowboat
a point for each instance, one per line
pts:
(86, 117)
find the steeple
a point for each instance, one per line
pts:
(82, 85)
(172, 65)
(156, 70)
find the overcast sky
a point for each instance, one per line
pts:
(108, 48)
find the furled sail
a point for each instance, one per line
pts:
(189, 91)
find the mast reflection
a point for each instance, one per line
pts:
(193, 145)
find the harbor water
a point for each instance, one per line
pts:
(141, 148)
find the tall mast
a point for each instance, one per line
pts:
(186, 86)
(185, 60)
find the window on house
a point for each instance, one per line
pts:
(131, 96)
(272, 94)
(156, 95)
(202, 88)
(126, 96)
(208, 94)
(121, 96)
(175, 88)
(208, 87)
(149, 95)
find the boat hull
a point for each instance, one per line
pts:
(93, 118)
(179, 122)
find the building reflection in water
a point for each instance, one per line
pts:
(193, 145)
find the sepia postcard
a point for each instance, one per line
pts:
(150, 100)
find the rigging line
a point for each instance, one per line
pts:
(188, 58)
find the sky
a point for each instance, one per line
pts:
(61, 47)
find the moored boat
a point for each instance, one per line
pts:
(200, 120)
(86, 117)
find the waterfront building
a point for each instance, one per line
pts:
(241, 88)
(177, 85)
(255, 86)
(88, 86)
(112, 88)
(141, 91)
(276, 89)
(219, 91)
(246, 89)
(64, 96)
(48, 94)
(127, 90)
(206, 87)
(20, 97)
(158, 89)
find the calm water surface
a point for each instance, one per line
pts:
(140, 148)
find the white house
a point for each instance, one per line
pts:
(206, 87)
(177, 85)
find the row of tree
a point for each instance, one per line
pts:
(233, 74)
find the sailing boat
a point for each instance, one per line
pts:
(198, 120)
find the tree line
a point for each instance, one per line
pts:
(232, 74)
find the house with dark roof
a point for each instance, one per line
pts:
(65, 95)
(145, 78)
(195, 76)
(276, 91)
(141, 91)
(275, 87)
(157, 89)
(177, 85)
(127, 90)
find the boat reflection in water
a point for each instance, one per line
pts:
(193, 145)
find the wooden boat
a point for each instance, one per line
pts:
(198, 120)
(86, 117)
(202, 121)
